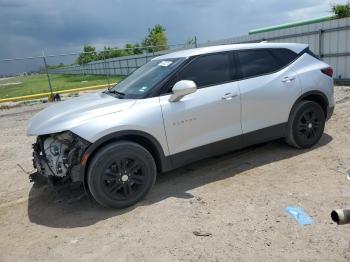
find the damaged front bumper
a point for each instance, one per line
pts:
(56, 158)
(42, 174)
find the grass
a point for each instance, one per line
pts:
(35, 84)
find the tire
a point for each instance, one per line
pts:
(121, 174)
(306, 125)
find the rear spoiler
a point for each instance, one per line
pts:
(308, 51)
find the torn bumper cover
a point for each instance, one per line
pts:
(42, 173)
(56, 157)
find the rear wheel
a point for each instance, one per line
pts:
(121, 174)
(306, 125)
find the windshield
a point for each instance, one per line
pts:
(144, 79)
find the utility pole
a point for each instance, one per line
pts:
(47, 74)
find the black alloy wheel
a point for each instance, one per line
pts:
(306, 125)
(120, 174)
(124, 178)
(309, 125)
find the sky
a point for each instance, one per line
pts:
(29, 26)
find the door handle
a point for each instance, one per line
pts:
(228, 96)
(288, 79)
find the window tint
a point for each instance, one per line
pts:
(257, 62)
(284, 56)
(208, 70)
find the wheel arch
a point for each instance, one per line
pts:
(315, 96)
(146, 140)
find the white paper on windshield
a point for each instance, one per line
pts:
(143, 89)
(165, 63)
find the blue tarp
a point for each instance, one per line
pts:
(299, 214)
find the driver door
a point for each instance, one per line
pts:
(204, 122)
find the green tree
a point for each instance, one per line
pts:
(156, 39)
(129, 49)
(105, 54)
(89, 54)
(137, 49)
(116, 52)
(55, 66)
(110, 52)
(341, 11)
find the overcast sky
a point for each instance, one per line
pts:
(29, 26)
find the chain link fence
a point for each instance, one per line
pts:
(48, 74)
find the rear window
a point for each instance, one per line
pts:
(257, 62)
(284, 56)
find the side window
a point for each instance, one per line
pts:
(285, 56)
(208, 70)
(257, 62)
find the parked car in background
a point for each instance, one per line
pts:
(179, 108)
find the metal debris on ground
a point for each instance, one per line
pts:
(202, 234)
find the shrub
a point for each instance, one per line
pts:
(341, 11)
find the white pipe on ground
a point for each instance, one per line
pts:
(341, 216)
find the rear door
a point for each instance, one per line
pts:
(268, 87)
(210, 114)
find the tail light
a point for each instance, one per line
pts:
(328, 71)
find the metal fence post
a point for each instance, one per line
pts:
(120, 67)
(127, 66)
(106, 73)
(47, 74)
(135, 64)
(320, 43)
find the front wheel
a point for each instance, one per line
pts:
(121, 174)
(306, 125)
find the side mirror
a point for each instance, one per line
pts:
(181, 89)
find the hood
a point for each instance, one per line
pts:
(71, 113)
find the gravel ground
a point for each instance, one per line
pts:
(235, 201)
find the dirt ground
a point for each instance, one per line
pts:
(237, 199)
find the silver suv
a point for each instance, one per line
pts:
(179, 108)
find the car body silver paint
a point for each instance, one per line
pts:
(145, 115)
(202, 117)
(308, 70)
(266, 100)
(199, 118)
(69, 114)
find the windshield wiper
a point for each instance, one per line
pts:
(116, 92)
(111, 91)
